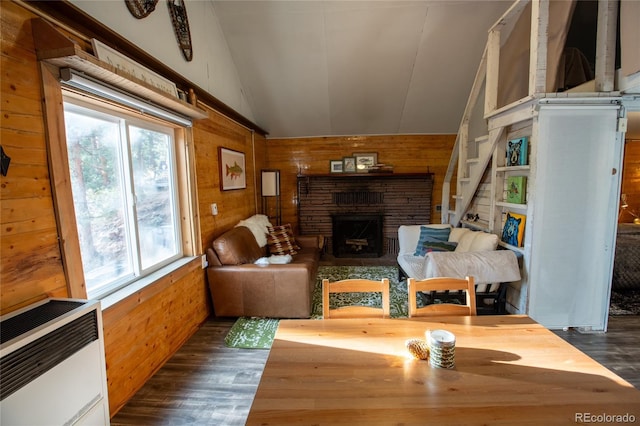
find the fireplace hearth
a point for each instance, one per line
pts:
(357, 235)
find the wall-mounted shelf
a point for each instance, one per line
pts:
(510, 247)
(513, 168)
(54, 48)
(511, 205)
(478, 226)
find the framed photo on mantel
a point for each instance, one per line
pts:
(364, 161)
(349, 164)
(335, 166)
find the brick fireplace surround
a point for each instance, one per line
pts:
(398, 198)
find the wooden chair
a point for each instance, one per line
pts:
(355, 286)
(441, 284)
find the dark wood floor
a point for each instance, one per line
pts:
(206, 383)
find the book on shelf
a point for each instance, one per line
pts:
(517, 152)
(381, 168)
(516, 189)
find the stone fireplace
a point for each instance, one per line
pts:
(357, 235)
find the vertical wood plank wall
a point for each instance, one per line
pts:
(143, 331)
(407, 153)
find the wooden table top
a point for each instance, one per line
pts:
(508, 370)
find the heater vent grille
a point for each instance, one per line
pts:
(33, 318)
(29, 362)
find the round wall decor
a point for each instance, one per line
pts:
(141, 8)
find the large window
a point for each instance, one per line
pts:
(124, 185)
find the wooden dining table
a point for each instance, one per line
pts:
(509, 370)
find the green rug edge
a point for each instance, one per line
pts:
(252, 333)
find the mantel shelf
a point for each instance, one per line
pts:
(365, 175)
(54, 48)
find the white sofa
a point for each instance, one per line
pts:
(475, 254)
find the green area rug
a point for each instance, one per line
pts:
(258, 333)
(252, 333)
(397, 290)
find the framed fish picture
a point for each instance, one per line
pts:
(232, 169)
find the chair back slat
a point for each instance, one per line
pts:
(441, 284)
(355, 286)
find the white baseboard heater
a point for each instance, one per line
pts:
(52, 365)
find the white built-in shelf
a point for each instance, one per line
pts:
(479, 225)
(524, 168)
(511, 205)
(510, 247)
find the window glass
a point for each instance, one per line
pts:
(124, 191)
(151, 156)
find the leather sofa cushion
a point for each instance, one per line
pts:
(237, 247)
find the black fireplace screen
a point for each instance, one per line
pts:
(357, 235)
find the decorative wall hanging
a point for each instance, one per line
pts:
(141, 8)
(178, 12)
(4, 162)
(232, 171)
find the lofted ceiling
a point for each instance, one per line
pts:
(320, 68)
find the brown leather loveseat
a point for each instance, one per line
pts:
(239, 287)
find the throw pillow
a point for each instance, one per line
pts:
(457, 233)
(432, 244)
(432, 239)
(281, 241)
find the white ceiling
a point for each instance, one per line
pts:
(316, 68)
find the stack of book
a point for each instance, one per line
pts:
(381, 168)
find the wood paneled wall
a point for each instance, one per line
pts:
(631, 180)
(143, 331)
(407, 153)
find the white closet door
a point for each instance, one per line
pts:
(574, 217)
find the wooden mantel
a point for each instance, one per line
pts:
(400, 198)
(366, 175)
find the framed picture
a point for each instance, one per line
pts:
(516, 189)
(335, 166)
(365, 160)
(513, 230)
(232, 169)
(349, 164)
(517, 152)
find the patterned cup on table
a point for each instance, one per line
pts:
(442, 348)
